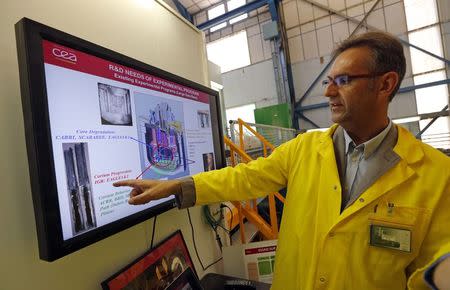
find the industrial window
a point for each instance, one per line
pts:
(233, 4)
(429, 39)
(246, 113)
(420, 13)
(424, 31)
(216, 12)
(229, 52)
(221, 9)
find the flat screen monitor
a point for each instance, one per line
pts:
(92, 117)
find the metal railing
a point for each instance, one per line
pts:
(247, 143)
(251, 136)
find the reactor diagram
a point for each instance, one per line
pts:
(163, 145)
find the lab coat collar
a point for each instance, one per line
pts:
(407, 148)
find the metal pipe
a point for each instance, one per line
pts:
(273, 9)
(421, 86)
(430, 123)
(312, 107)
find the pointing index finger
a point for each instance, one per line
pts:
(128, 182)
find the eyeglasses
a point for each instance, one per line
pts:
(342, 80)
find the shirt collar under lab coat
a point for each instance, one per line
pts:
(368, 146)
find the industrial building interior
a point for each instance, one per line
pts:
(266, 59)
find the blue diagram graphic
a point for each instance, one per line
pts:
(162, 137)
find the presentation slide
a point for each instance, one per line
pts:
(110, 122)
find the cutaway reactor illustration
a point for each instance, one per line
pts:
(79, 187)
(162, 139)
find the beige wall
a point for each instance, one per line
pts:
(154, 35)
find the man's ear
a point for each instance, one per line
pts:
(387, 84)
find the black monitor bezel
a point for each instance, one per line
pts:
(29, 37)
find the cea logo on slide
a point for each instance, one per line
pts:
(64, 55)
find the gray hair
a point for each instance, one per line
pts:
(386, 50)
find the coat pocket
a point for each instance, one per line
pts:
(398, 228)
(395, 236)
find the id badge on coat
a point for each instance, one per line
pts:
(390, 237)
(392, 227)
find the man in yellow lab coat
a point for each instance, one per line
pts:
(367, 206)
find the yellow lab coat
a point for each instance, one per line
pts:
(321, 248)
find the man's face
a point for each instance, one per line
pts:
(355, 103)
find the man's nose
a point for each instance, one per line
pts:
(330, 90)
